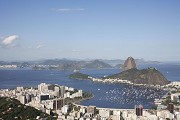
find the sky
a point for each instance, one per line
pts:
(93, 29)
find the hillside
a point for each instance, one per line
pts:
(11, 109)
(149, 76)
(96, 64)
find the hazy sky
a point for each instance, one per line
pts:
(107, 29)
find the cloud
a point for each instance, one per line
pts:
(69, 9)
(9, 41)
(40, 46)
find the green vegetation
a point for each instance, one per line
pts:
(11, 109)
(149, 76)
(79, 76)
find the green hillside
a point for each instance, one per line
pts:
(12, 109)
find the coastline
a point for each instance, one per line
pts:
(127, 82)
(83, 99)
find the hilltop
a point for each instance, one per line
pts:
(129, 64)
(150, 76)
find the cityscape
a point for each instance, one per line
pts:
(89, 60)
(63, 102)
(54, 98)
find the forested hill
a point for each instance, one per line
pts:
(11, 109)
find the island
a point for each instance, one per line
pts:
(79, 76)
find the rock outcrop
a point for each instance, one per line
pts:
(150, 76)
(129, 64)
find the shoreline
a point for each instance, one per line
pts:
(83, 99)
(120, 81)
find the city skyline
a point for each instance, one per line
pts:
(93, 29)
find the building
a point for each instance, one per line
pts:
(139, 110)
(43, 87)
(170, 107)
(43, 97)
(58, 103)
(28, 98)
(62, 88)
(65, 109)
(22, 99)
(19, 89)
(104, 113)
(91, 110)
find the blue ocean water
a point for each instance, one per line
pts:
(105, 95)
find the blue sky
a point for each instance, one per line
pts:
(103, 29)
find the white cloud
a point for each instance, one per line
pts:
(9, 41)
(69, 9)
(40, 46)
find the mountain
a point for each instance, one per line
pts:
(96, 64)
(120, 61)
(112, 62)
(129, 64)
(118, 66)
(67, 64)
(150, 76)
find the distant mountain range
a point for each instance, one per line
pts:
(66, 64)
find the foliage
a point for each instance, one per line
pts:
(78, 75)
(12, 109)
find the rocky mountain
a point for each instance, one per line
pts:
(150, 76)
(129, 64)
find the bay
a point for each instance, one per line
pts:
(105, 95)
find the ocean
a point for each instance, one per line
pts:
(119, 96)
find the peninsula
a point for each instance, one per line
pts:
(130, 75)
(149, 76)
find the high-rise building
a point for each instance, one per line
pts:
(43, 87)
(56, 91)
(91, 110)
(28, 98)
(58, 103)
(62, 91)
(56, 88)
(139, 110)
(22, 99)
(171, 107)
